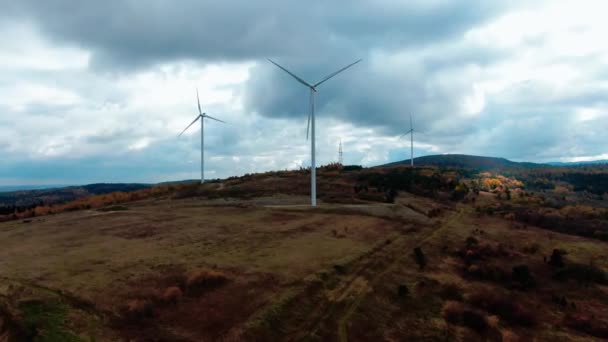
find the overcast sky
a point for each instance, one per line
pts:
(97, 91)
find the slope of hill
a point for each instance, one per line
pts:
(245, 259)
(465, 161)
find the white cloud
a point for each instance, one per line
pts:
(507, 86)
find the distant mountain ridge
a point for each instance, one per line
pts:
(580, 163)
(23, 199)
(466, 161)
(11, 188)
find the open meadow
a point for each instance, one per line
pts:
(188, 266)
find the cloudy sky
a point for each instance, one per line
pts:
(97, 91)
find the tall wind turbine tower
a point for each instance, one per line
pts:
(202, 117)
(311, 119)
(340, 159)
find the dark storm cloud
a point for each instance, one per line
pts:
(370, 94)
(313, 38)
(133, 33)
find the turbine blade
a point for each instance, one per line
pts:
(406, 133)
(335, 73)
(192, 123)
(198, 101)
(212, 118)
(290, 73)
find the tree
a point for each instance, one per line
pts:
(556, 258)
(420, 257)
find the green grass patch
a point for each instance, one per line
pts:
(46, 321)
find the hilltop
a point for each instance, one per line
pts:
(465, 161)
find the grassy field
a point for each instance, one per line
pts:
(197, 269)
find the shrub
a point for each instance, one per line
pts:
(487, 272)
(203, 280)
(505, 307)
(582, 273)
(474, 320)
(450, 291)
(531, 248)
(456, 313)
(172, 295)
(420, 257)
(351, 167)
(556, 258)
(470, 241)
(452, 312)
(340, 269)
(402, 290)
(391, 194)
(138, 309)
(587, 325)
(521, 274)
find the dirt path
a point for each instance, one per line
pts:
(408, 245)
(365, 274)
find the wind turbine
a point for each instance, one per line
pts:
(411, 132)
(340, 159)
(311, 118)
(202, 117)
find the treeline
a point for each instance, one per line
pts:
(22, 201)
(590, 178)
(94, 202)
(436, 182)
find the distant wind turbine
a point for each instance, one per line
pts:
(340, 153)
(202, 117)
(311, 118)
(411, 132)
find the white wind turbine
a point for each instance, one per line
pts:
(202, 117)
(311, 117)
(411, 132)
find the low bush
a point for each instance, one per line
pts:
(531, 248)
(582, 273)
(474, 320)
(557, 259)
(450, 291)
(452, 311)
(471, 241)
(138, 309)
(586, 324)
(204, 280)
(522, 276)
(402, 290)
(457, 313)
(505, 307)
(488, 272)
(172, 295)
(420, 258)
